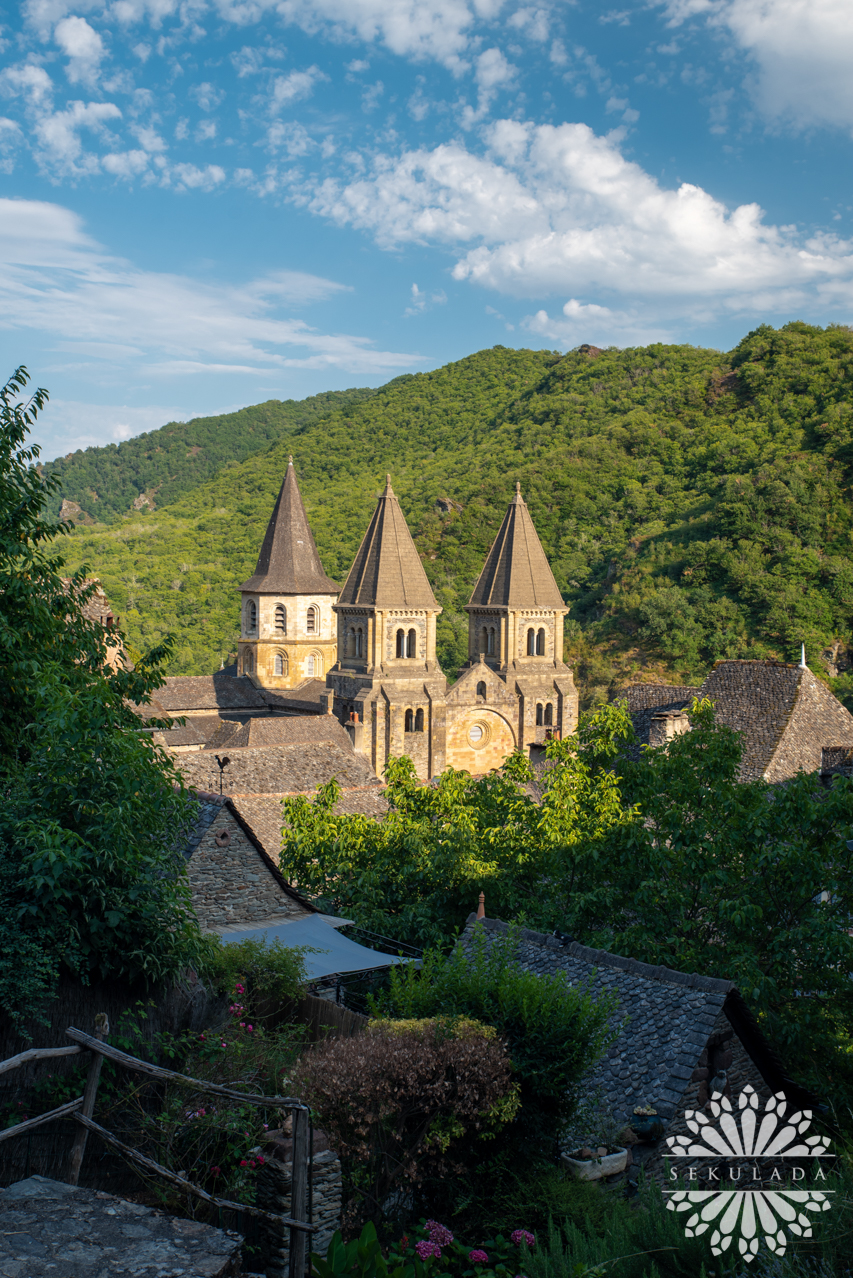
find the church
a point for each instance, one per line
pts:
(373, 640)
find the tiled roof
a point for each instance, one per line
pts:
(647, 699)
(670, 1016)
(289, 562)
(196, 731)
(303, 699)
(387, 572)
(298, 768)
(279, 730)
(218, 691)
(516, 573)
(263, 811)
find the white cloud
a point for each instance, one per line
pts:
(55, 279)
(125, 164)
(191, 177)
(532, 22)
(207, 95)
(60, 150)
(803, 50)
(83, 47)
(294, 86)
(29, 81)
(598, 325)
(557, 209)
(421, 299)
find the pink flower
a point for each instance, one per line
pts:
(242, 1025)
(243, 1162)
(520, 1236)
(439, 1233)
(216, 1171)
(427, 1249)
(261, 1160)
(478, 1257)
(249, 1028)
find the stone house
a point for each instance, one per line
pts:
(786, 716)
(679, 1036)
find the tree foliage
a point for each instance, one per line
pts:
(90, 870)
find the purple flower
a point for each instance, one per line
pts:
(520, 1236)
(439, 1233)
(426, 1249)
(478, 1257)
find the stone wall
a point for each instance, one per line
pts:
(274, 1183)
(229, 881)
(495, 742)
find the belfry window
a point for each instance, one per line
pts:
(251, 617)
(312, 621)
(539, 716)
(484, 640)
(490, 647)
(531, 643)
(281, 619)
(410, 721)
(540, 643)
(419, 721)
(401, 643)
(549, 715)
(411, 644)
(248, 663)
(359, 642)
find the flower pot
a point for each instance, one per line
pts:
(596, 1168)
(647, 1127)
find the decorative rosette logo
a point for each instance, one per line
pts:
(738, 1143)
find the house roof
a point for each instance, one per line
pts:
(278, 769)
(196, 731)
(208, 807)
(220, 691)
(289, 562)
(263, 811)
(278, 730)
(306, 698)
(663, 1019)
(516, 573)
(387, 571)
(647, 699)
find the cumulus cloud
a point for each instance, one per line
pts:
(550, 209)
(83, 47)
(60, 149)
(294, 86)
(803, 50)
(56, 279)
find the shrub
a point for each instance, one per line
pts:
(396, 1104)
(270, 974)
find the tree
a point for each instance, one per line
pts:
(91, 873)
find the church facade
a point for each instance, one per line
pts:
(374, 640)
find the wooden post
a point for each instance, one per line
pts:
(299, 1173)
(78, 1149)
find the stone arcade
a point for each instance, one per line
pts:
(375, 640)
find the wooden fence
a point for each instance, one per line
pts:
(328, 1020)
(82, 1108)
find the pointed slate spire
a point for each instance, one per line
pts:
(289, 562)
(516, 573)
(387, 571)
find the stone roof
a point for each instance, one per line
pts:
(647, 699)
(197, 731)
(303, 699)
(278, 769)
(387, 571)
(516, 573)
(218, 691)
(278, 730)
(289, 562)
(263, 811)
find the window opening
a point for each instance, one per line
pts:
(419, 721)
(540, 644)
(281, 618)
(251, 616)
(491, 645)
(311, 624)
(401, 643)
(538, 716)
(549, 714)
(481, 690)
(412, 644)
(310, 667)
(531, 643)
(359, 642)
(247, 661)
(409, 721)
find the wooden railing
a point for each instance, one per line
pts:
(82, 1108)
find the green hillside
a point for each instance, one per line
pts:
(162, 465)
(694, 505)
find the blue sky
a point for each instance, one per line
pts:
(206, 205)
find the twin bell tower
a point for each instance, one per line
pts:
(372, 641)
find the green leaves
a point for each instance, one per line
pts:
(360, 1258)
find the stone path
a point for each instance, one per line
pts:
(52, 1230)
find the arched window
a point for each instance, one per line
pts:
(484, 640)
(419, 721)
(540, 643)
(359, 642)
(401, 643)
(411, 644)
(281, 619)
(251, 617)
(538, 716)
(531, 643)
(248, 663)
(410, 721)
(549, 714)
(491, 645)
(280, 665)
(481, 689)
(312, 621)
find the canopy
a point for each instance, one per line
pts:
(335, 954)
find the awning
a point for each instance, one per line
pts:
(335, 954)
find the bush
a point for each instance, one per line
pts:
(269, 974)
(397, 1103)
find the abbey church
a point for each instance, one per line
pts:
(373, 640)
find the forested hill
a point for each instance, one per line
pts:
(694, 505)
(157, 468)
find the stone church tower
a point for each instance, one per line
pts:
(515, 689)
(287, 626)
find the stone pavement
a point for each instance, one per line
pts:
(52, 1230)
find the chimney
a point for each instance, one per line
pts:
(481, 907)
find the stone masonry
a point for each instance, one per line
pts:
(274, 1184)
